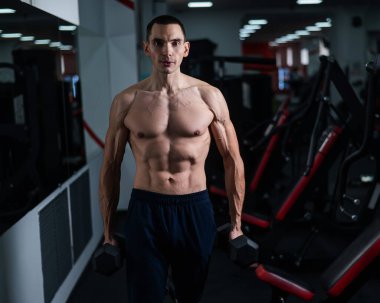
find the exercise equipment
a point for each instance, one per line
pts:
(299, 212)
(340, 281)
(108, 258)
(242, 250)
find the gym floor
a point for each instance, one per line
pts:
(226, 283)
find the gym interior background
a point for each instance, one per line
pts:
(61, 63)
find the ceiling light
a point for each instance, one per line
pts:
(200, 4)
(66, 47)
(302, 33)
(7, 11)
(67, 27)
(281, 40)
(292, 36)
(323, 24)
(27, 38)
(55, 44)
(11, 35)
(243, 35)
(309, 1)
(42, 41)
(313, 28)
(273, 44)
(245, 31)
(258, 22)
(252, 26)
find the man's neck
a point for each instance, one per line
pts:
(168, 83)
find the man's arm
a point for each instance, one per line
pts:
(225, 137)
(109, 183)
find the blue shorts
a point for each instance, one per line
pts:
(168, 230)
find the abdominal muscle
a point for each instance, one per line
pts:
(170, 168)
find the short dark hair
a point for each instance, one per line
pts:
(164, 19)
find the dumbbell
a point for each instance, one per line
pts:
(243, 251)
(108, 258)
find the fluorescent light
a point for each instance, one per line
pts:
(281, 40)
(258, 22)
(304, 56)
(302, 33)
(67, 27)
(273, 44)
(323, 24)
(7, 11)
(252, 26)
(55, 44)
(313, 28)
(42, 41)
(244, 31)
(200, 4)
(292, 37)
(27, 38)
(309, 1)
(11, 35)
(66, 47)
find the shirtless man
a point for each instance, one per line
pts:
(168, 120)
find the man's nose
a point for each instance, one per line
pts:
(167, 49)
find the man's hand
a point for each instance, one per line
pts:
(234, 233)
(111, 241)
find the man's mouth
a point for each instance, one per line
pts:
(167, 63)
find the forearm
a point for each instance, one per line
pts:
(109, 190)
(235, 187)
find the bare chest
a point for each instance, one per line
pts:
(181, 115)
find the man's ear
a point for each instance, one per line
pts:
(187, 49)
(146, 48)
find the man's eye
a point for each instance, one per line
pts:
(176, 43)
(157, 43)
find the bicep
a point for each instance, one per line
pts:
(222, 128)
(225, 138)
(116, 137)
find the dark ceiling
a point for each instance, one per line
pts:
(284, 16)
(268, 4)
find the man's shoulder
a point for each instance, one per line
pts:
(212, 97)
(126, 97)
(205, 89)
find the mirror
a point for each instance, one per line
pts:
(41, 134)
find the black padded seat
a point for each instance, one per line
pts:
(355, 258)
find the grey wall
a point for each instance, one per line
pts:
(21, 273)
(108, 64)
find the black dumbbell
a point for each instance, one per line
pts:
(108, 258)
(243, 251)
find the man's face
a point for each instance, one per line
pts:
(166, 47)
